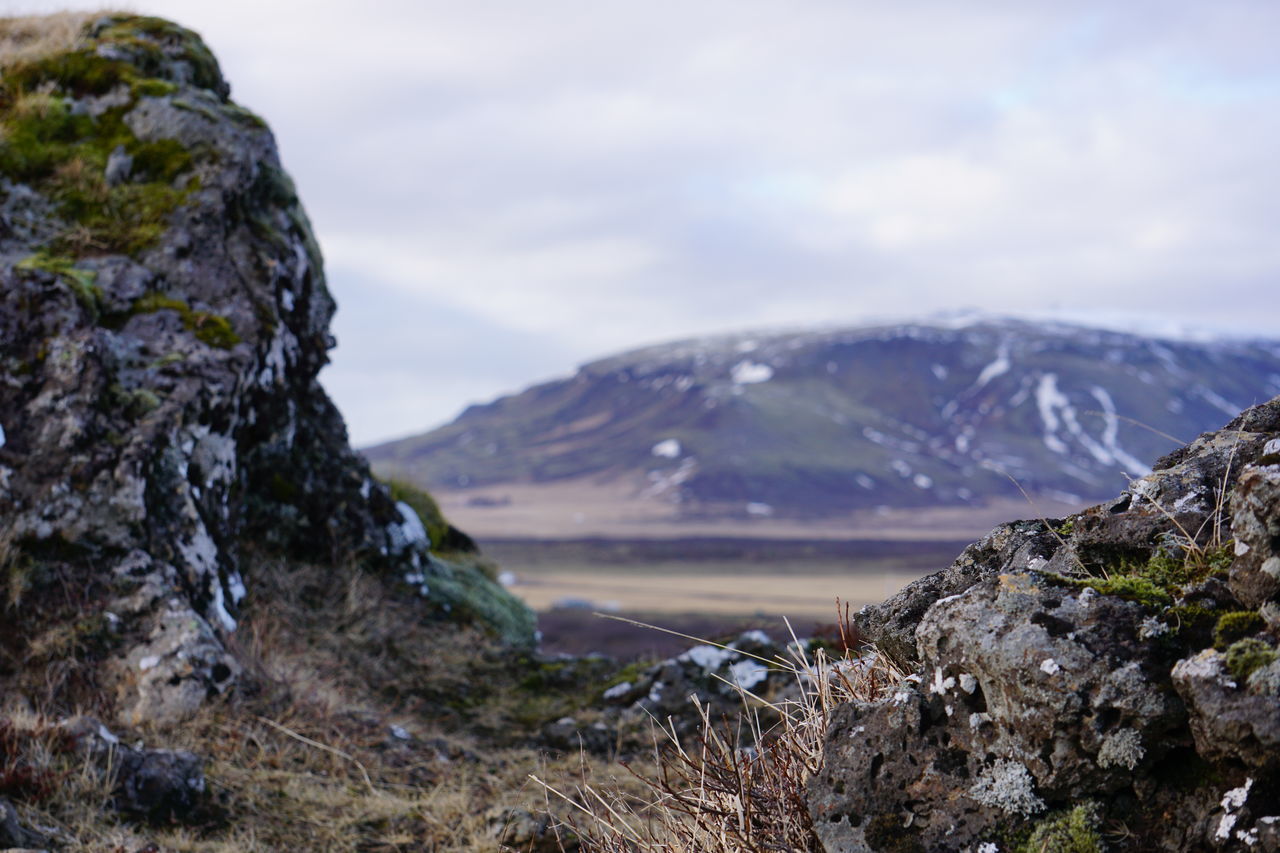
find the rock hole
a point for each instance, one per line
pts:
(221, 672)
(1054, 626)
(876, 764)
(175, 680)
(838, 787)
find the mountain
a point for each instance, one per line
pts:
(813, 424)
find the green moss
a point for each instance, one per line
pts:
(1067, 527)
(80, 281)
(1161, 579)
(632, 673)
(155, 45)
(212, 329)
(1245, 656)
(1129, 587)
(1071, 831)
(79, 73)
(1234, 626)
(1193, 614)
(424, 505)
(63, 153)
(153, 88)
(465, 591)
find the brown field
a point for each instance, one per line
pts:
(801, 597)
(715, 584)
(573, 509)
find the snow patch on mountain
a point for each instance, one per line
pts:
(667, 449)
(999, 367)
(750, 373)
(1111, 432)
(1049, 400)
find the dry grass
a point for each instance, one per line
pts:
(359, 726)
(722, 795)
(31, 37)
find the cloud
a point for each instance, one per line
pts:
(574, 177)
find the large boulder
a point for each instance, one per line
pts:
(163, 318)
(1115, 673)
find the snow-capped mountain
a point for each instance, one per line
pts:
(818, 423)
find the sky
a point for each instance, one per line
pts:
(505, 189)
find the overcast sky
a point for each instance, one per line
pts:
(503, 190)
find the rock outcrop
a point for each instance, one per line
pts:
(163, 318)
(1114, 675)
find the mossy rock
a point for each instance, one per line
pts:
(1073, 830)
(81, 281)
(467, 592)
(1129, 587)
(1246, 656)
(1234, 626)
(209, 328)
(1160, 579)
(62, 151)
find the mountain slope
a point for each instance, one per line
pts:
(806, 425)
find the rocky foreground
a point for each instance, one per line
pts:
(1111, 680)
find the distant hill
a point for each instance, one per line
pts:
(815, 424)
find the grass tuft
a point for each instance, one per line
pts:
(740, 786)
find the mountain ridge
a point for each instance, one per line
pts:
(821, 423)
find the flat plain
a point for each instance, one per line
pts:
(798, 579)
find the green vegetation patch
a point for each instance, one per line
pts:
(1130, 587)
(1235, 626)
(468, 592)
(1074, 830)
(212, 329)
(81, 281)
(156, 46)
(62, 151)
(1158, 581)
(1246, 656)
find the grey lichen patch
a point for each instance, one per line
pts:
(1007, 785)
(1122, 748)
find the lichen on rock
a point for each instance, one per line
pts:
(1071, 662)
(163, 319)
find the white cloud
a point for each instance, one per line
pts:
(576, 177)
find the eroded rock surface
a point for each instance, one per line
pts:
(1117, 668)
(163, 318)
